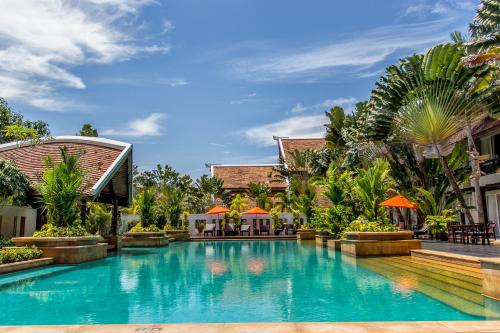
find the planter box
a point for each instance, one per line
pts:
(66, 250)
(321, 240)
(145, 239)
(115, 243)
(23, 265)
(380, 248)
(306, 234)
(180, 235)
(380, 236)
(333, 244)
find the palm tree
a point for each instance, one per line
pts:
(485, 34)
(424, 102)
(372, 185)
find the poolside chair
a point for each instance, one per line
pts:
(421, 232)
(290, 228)
(264, 228)
(245, 228)
(209, 229)
(229, 229)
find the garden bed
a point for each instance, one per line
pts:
(321, 240)
(180, 235)
(306, 234)
(387, 243)
(66, 250)
(145, 239)
(24, 265)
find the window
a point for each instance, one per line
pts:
(485, 146)
(23, 226)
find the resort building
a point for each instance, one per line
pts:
(486, 135)
(236, 177)
(107, 166)
(287, 146)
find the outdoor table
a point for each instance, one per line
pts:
(465, 230)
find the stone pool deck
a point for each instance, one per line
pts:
(364, 327)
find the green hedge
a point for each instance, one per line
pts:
(16, 254)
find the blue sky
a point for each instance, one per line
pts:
(190, 82)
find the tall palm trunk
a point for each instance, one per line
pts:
(476, 175)
(453, 183)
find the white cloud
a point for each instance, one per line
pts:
(442, 8)
(42, 40)
(168, 26)
(347, 103)
(310, 126)
(149, 126)
(139, 81)
(357, 53)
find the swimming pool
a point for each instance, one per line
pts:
(226, 281)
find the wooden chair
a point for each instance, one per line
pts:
(209, 229)
(245, 228)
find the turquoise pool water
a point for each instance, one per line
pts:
(244, 281)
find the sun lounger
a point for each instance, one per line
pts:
(245, 228)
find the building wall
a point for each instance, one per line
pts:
(12, 218)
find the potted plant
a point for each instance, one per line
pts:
(438, 224)
(63, 237)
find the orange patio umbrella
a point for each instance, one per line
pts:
(217, 210)
(398, 201)
(256, 211)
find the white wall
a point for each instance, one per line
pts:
(9, 214)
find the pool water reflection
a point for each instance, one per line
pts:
(227, 281)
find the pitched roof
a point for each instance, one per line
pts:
(288, 145)
(106, 163)
(237, 177)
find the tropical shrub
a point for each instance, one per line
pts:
(146, 207)
(61, 190)
(140, 228)
(372, 185)
(49, 230)
(5, 242)
(333, 220)
(363, 225)
(13, 184)
(99, 219)
(17, 254)
(438, 224)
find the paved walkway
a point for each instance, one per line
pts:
(484, 251)
(371, 327)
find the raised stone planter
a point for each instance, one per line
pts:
(333, 244)
(66, 250)
(306, 234)
(321, 240)
(491, 277)
(115, 243)
(379, 243)
(145, 239)
(180, 235)
(23, 265)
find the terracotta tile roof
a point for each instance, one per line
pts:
(95, 159)
(288, 145)
(237, 177)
